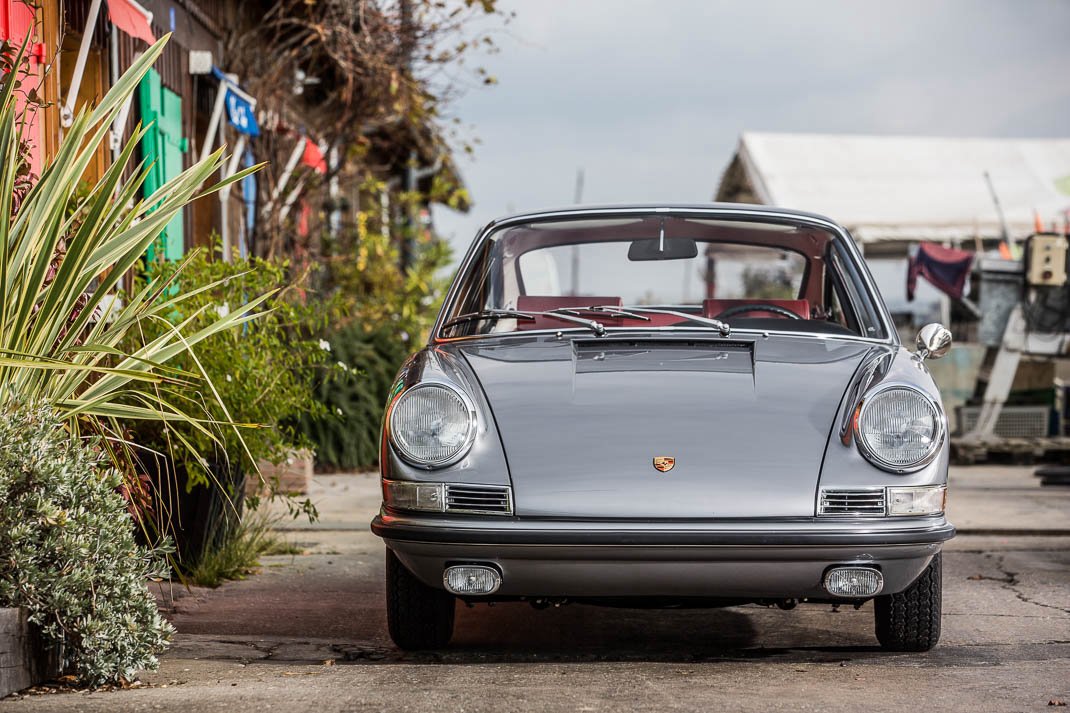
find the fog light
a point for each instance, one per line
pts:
(853, 582)
(471, 579)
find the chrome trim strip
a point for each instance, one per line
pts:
(836, 533)
(758, 333)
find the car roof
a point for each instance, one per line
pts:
(657, 207)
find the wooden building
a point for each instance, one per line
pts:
(193, 104)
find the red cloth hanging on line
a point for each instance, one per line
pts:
(946, 268)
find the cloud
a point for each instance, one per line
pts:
(649, 98)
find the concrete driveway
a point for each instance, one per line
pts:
(309, 633)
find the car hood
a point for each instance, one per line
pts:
(745, 422)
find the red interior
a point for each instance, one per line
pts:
(541, 303)
(712, 308)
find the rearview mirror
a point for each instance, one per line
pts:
(933, 341)
(662, 249)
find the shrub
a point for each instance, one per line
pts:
(263, 371)
(64, 247)
(383, 314)
(67, 550)
(238, 555)
(347, 437)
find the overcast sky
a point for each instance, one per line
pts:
(649, 97)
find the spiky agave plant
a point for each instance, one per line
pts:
(62, 330)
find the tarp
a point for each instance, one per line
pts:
(905, 188)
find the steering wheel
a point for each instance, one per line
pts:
(758, 307)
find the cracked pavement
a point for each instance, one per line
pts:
(309, 633)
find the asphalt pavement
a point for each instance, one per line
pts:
(309, 633)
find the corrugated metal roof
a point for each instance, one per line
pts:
(910, 188)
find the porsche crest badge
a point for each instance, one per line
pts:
(664, 463)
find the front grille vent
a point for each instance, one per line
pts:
(852, 502)
(479, 499)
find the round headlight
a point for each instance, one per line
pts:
(432, 425)
(899, 429)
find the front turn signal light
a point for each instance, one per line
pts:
(923, 500)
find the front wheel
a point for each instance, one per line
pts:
(910, 620)
(418, 616)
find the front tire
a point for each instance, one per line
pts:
(418, 616)
(910, 620)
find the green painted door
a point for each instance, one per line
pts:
(163, 147)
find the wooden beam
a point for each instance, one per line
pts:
(25, 659)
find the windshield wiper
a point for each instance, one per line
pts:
(567, 314)
(611, 310)
(495, 314)
(488, 314)
(717, 324)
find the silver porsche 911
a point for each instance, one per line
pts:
(658, 406)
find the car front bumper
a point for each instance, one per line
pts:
(754, 559)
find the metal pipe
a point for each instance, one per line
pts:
(224, 195)
(999, 209)
(287, 171)
(333, 188)
(116, 127)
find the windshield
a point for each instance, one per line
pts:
(661, 271)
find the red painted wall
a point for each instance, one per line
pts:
(17, 21)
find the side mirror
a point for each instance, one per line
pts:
(933, 341)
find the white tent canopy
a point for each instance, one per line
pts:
(898, 188)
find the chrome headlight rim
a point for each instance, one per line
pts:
(469, 438)
(939, 421)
